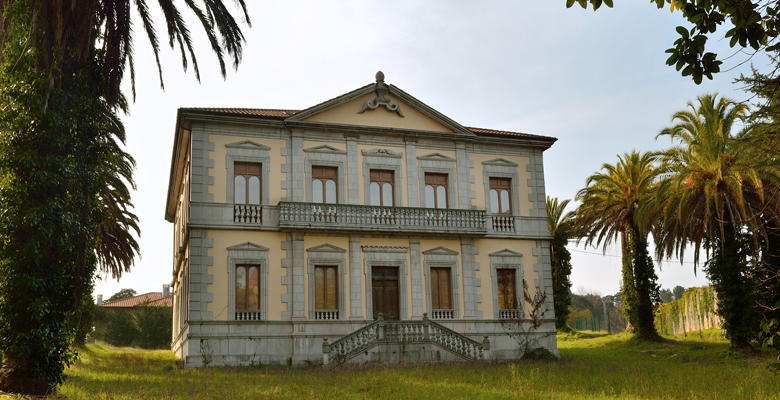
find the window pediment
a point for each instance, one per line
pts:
(381, 153)
(247, 144)
(326, 248)
(324, 149)
(440, 251)
(505, 253)
(436, 157)
(500, 162)
(247, 246)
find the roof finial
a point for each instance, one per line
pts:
(380, 77)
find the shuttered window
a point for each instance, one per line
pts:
(326, 288)
(323, 184)
(507, 290)
(435, 190)
(381, 187)
(500, 195)
(246, 183)
(247, 287)
(441, 289)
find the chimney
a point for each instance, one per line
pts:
(166, 290)
(99, 299)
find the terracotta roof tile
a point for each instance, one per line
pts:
(251, 112)
(270, 113)
(153, 299)
(494, 132)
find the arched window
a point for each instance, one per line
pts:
(323, 184)
(436, 190)
(381, 187)
(500, 195)
(246, 182)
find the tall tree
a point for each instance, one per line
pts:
(122, 294)
(617, 202)
(559, 224)
(64, 180)
(711, 177)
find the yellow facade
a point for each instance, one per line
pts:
(284, 234)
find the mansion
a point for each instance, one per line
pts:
(367, 228)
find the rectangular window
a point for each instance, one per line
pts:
(441, 289)
(246, 182)
(247, 287)
(323, 184)
(507, 293)
(326, 288)
(435, 190)
(500, 195)
(381, 187)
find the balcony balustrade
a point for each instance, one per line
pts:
(361, 218)
(377, 218)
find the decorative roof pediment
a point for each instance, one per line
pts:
(326, 248)
(500, 162)
(379, 105)
(435, 157)
(247, 144)
(505, 253)
(443, 251)
(324, 149)
(248, 246)
(381, 153)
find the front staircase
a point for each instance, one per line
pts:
(417, 332)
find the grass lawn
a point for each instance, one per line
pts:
(593, 367)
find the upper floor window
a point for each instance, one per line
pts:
(500, 195)
(381, 187)
(435, 190)
(246, 182)
(323, 184)
(247, 287)
(507, 288)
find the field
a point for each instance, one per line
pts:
(592, 367)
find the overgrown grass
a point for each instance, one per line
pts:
(594, 366)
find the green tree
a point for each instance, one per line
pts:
(122, 294)
(617, 202)
(559, 224)
(678, 292)
(711, 175)
(64, 179)
(752, 26)
(666, 295)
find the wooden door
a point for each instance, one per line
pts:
(384, 292)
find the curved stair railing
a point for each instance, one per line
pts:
(403, 332)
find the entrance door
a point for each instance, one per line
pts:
(384, 292)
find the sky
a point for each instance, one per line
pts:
(596, 81)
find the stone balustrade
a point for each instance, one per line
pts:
(403, 332)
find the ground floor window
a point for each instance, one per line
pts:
(247, 287)
(326, 292)
(507, 290)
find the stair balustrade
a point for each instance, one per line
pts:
(403, 332)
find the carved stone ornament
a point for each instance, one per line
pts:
(381, 89)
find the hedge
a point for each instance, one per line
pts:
(144, 327)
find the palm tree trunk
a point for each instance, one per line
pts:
(644, 277)
(727, 270)
(627, 290)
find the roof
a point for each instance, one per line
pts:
(279, 114)
(152, 299)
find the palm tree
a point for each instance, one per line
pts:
(618, 202)
(69, 34)
(559, 223)
(61, 68)
(713, 182)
